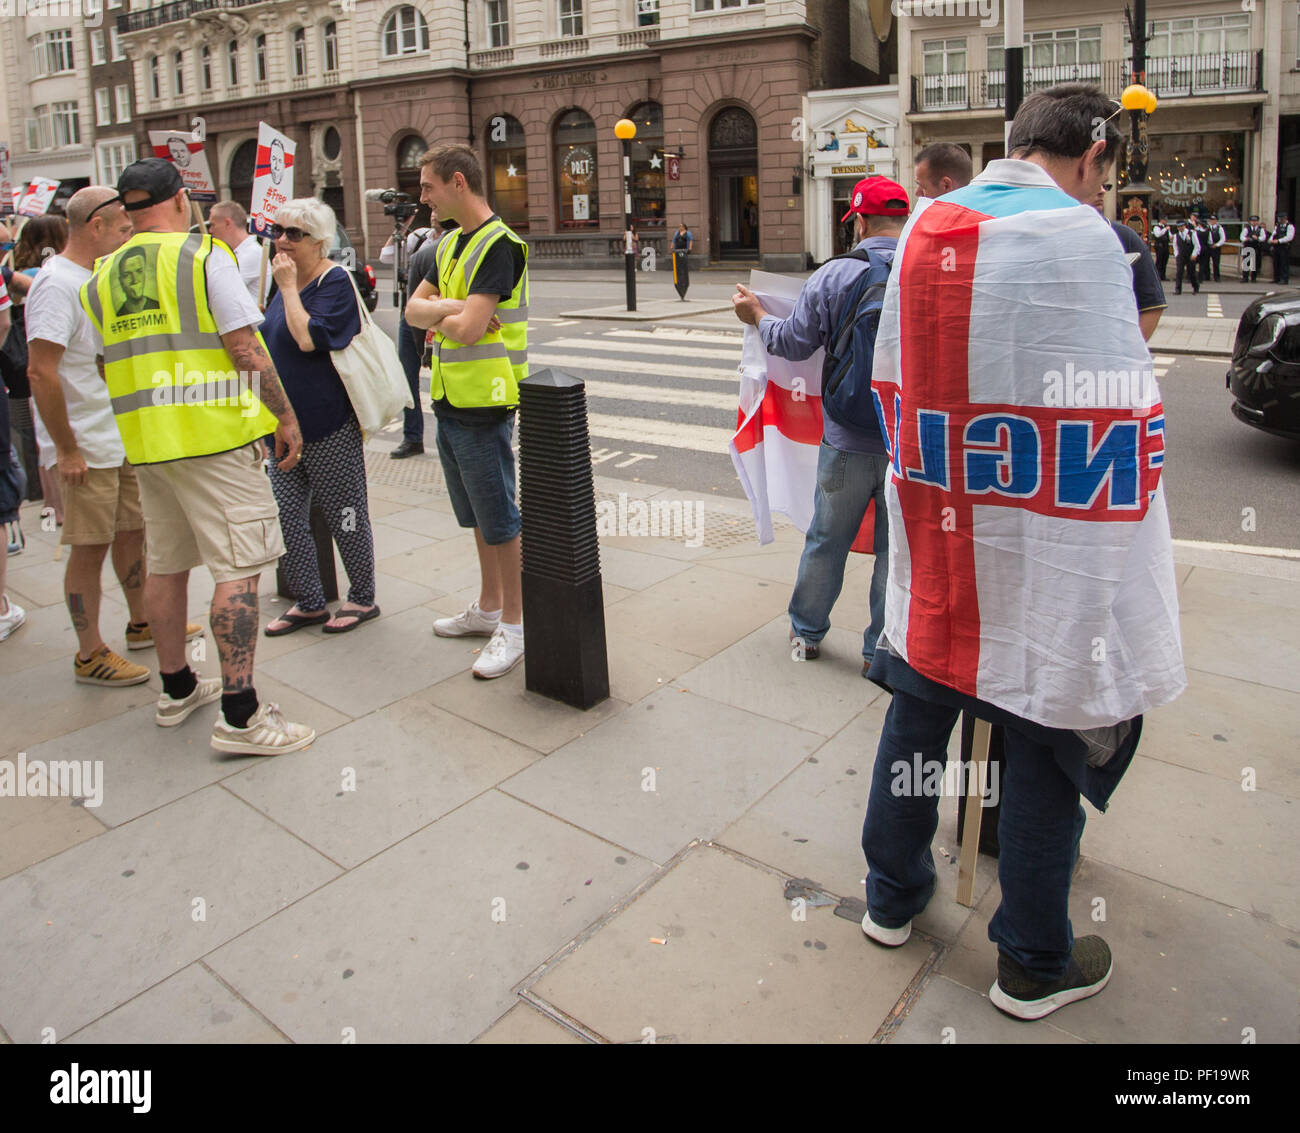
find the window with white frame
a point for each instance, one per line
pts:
(103, 107)
(113, 158)
(155, 83)
(178, 72)
(92, 7)
(115, 47)
(299, 53)
(114, 3)
(259, 59)
(498, 23)
(122, 97)
(1199, 54)
(1199, 35)
(67, 124)
(405, 33)
(38, 128)
(570, 17)
(232, 63)
(36, 52)
(722, 5)
(647, 13)
(943, 72)
(97, 55)
(205, 67)
(330, 43)
(58, 48)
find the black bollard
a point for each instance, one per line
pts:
(320, 533)
(564, 611)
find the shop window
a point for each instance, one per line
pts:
(409, 151)
(648, 166)
(508, 170)
(575, 163)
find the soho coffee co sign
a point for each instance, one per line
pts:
(1183, 191)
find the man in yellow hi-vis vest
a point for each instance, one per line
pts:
(475, 299)
(193, 394)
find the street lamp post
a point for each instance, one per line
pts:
(625, 131)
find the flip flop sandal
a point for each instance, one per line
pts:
(297, 622)
(360, 615)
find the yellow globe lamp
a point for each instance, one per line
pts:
(625, 129)
(1151, 102)
(1135, 97)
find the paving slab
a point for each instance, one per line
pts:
(1222, 634)
(635, 570)
(707, 763)
(424, 521)
(410, 764)
(44, 702)
(38, 828)
(1236, 586)
(442, 567)
(192, 1006)
(432, 965)
(87, 930)
(763, 673)
(947, 1012)
(810, 825)
(637, 668)
(650, 310)
(1204, 834)
(700, 611)
(526, 1026)
(47, 635)
(391, 540)
(735, 966)
(1187, 970)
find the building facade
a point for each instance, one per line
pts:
(112, 96)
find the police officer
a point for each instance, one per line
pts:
(1160, 244)
(1253, 236)
(1214, 241)
(1187, 252)
(1203, 235)
(1280, 245)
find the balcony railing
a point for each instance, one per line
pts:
(572, 45)
(174, 12)
(1177, 76)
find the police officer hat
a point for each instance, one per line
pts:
(1253, 218)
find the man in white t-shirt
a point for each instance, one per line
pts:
(76, 430)
(228, 222)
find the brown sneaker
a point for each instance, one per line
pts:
(143, 638)
(106, 668)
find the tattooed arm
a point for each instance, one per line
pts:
(249, 356)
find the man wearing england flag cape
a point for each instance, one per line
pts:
(1031, 575)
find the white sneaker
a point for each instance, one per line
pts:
(499, 655)
(11, 619)
(268, 733)
(889, 937)
(172, 712)
(471, 623)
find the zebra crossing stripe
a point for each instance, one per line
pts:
(683, 350)
(662, 395)
(540, 358)
(666, 434)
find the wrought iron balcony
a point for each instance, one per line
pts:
(174, 13)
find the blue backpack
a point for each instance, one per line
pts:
(846, 370)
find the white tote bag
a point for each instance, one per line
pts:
(372, 372)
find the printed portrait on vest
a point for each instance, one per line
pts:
(135, 287)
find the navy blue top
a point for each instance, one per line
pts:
(314, 387)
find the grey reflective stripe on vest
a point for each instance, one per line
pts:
(96, 306)
(513, 315)
(230, 391)
(190, 337)
(518, 357)
(477, 254)
(472, 353)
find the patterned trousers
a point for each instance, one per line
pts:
(331, 474)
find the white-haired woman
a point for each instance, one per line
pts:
(314, 311)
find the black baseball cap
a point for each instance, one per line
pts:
(155, 176)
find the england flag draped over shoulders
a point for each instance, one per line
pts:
(1030, 561)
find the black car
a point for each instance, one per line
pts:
(342, 252)
(1265, 374)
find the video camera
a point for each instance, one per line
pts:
(396, 204)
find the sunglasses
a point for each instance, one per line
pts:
(293, 235)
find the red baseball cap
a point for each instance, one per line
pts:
(871, 197)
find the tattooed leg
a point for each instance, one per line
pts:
(235, 623)
(81, 588)
(165, 597)
(128, 565)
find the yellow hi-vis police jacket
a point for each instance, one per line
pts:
(173, 389)
(487, 373)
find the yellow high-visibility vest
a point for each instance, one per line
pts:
(173, 388)
(487, 373)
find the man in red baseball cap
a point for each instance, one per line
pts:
(852, 462)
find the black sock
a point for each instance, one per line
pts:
(180, 684)
(137, 625)
(238, 707)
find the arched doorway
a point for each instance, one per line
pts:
(733, 186)
(241, 172)
(409, 152)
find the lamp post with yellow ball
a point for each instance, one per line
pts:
(625, 131)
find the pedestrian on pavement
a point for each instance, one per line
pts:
(1160, 243)
(196, 447)
(1215, 238)
(1280, 245)
(315, 311)
(683, 243)
(13, 485)
(410, 343)
(985, 301)
(476, 298)
(80, 443)
(1203, 235)
(1253, 236)
(228, 222)
(1187, 251)
(851, 460)
(940, 168)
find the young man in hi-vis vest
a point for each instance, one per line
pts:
(475, 299)
(194, 394)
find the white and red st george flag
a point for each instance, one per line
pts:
(1030, 561)
(779, 423)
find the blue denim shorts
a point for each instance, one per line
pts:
(480, 472)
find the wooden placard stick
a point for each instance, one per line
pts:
(198, 216)
(976, 774)
(261, 277)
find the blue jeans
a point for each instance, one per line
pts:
(1039, 830)
(479, 468)
(409, 350)
(846, 483)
